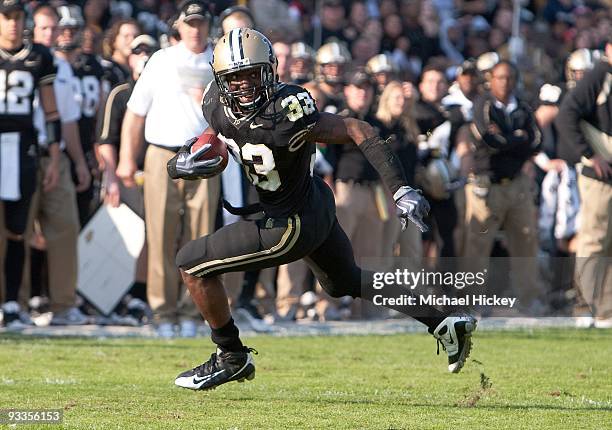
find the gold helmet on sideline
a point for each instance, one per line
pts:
(245, 49)
(579, 62)
(381, 63)
(302, 61)
(302, 50)
(332, 53)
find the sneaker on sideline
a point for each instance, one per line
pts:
(71, 316)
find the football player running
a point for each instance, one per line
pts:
(271, 129)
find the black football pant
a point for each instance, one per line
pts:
(313, 234)
(256, 245)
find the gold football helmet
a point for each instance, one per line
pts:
(332, 53)
(381, 63)
(302, 57)
(239, 50)
(579, 62)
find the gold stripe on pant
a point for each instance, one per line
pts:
(175, 212)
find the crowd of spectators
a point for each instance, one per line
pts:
(450, 82)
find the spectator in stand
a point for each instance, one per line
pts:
(97, 14)
(358, 18)
(235, 17)
(387, 8)
(116, 49)
(423, 44)
(363, 49)
(332, 26)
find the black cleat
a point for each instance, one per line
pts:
(455, 335)
(222, 367)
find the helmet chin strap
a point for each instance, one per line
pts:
(249, 104)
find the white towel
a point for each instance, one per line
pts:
(231, 179)
(559, 204)
(9, 167)
(568, 204)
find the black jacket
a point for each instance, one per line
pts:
(589, 101)
(502, 155)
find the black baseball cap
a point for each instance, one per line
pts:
(7, 6)
(144, 41)
(359, 78)
(193, 9)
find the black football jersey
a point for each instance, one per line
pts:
(114, 74)
(270, 145)
(87, 85)
(22, 72)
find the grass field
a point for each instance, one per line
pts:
(552, 379)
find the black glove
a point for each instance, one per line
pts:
(411, 205)
(185, 165)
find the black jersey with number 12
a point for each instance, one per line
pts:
(22, 72)
(270, 145)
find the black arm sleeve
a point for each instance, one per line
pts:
(380, 155)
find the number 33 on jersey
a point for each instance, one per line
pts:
(270, 144)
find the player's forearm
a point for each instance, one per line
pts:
(109, 157)
(47, 99)
(70, 132)
(336, 129)
(379, 153)
(54, 152)
(131, 136)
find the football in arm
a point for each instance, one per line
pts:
(218, 148)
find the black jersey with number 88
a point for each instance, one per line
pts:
(270, 145)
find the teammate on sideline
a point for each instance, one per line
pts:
(270, 128)
(25, 67)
